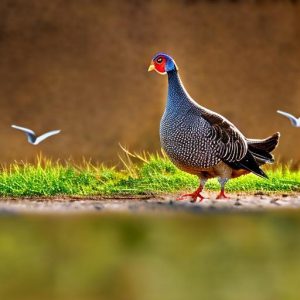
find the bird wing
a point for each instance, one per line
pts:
(45, 136)
(26, 130)
(229, 143)
(292, 118)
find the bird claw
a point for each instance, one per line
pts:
(194, 197)
(222, 196)
(182, 197)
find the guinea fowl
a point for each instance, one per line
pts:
(202, 142)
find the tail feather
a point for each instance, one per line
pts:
(268, 144)
(262, 160)
(248, 163)
(257, 155)
(262, 156)
(261, 149)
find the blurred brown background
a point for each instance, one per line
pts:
(81, 66)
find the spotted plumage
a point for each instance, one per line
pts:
(202, 142)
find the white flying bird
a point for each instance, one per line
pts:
(295, 121)
(31, 136)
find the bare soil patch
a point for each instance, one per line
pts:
(151, 203)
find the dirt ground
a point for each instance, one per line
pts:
(165, 203)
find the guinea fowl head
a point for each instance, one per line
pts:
(162, 64)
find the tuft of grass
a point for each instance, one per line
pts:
(141, 174)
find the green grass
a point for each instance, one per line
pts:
(139, 174)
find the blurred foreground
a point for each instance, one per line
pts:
(146, 257)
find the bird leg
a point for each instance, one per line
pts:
(222, 195)
(196, 194)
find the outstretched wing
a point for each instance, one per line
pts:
(229, 143)
(45, 136)
(31, 137)
(292, 118)
(26, 130)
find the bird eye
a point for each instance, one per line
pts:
(159, 60)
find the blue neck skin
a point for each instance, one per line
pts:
(178, 98)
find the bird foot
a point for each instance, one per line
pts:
(222, 196)
(194, 197)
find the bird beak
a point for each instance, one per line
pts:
(151, 67)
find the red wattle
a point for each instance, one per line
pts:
(160, 67)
